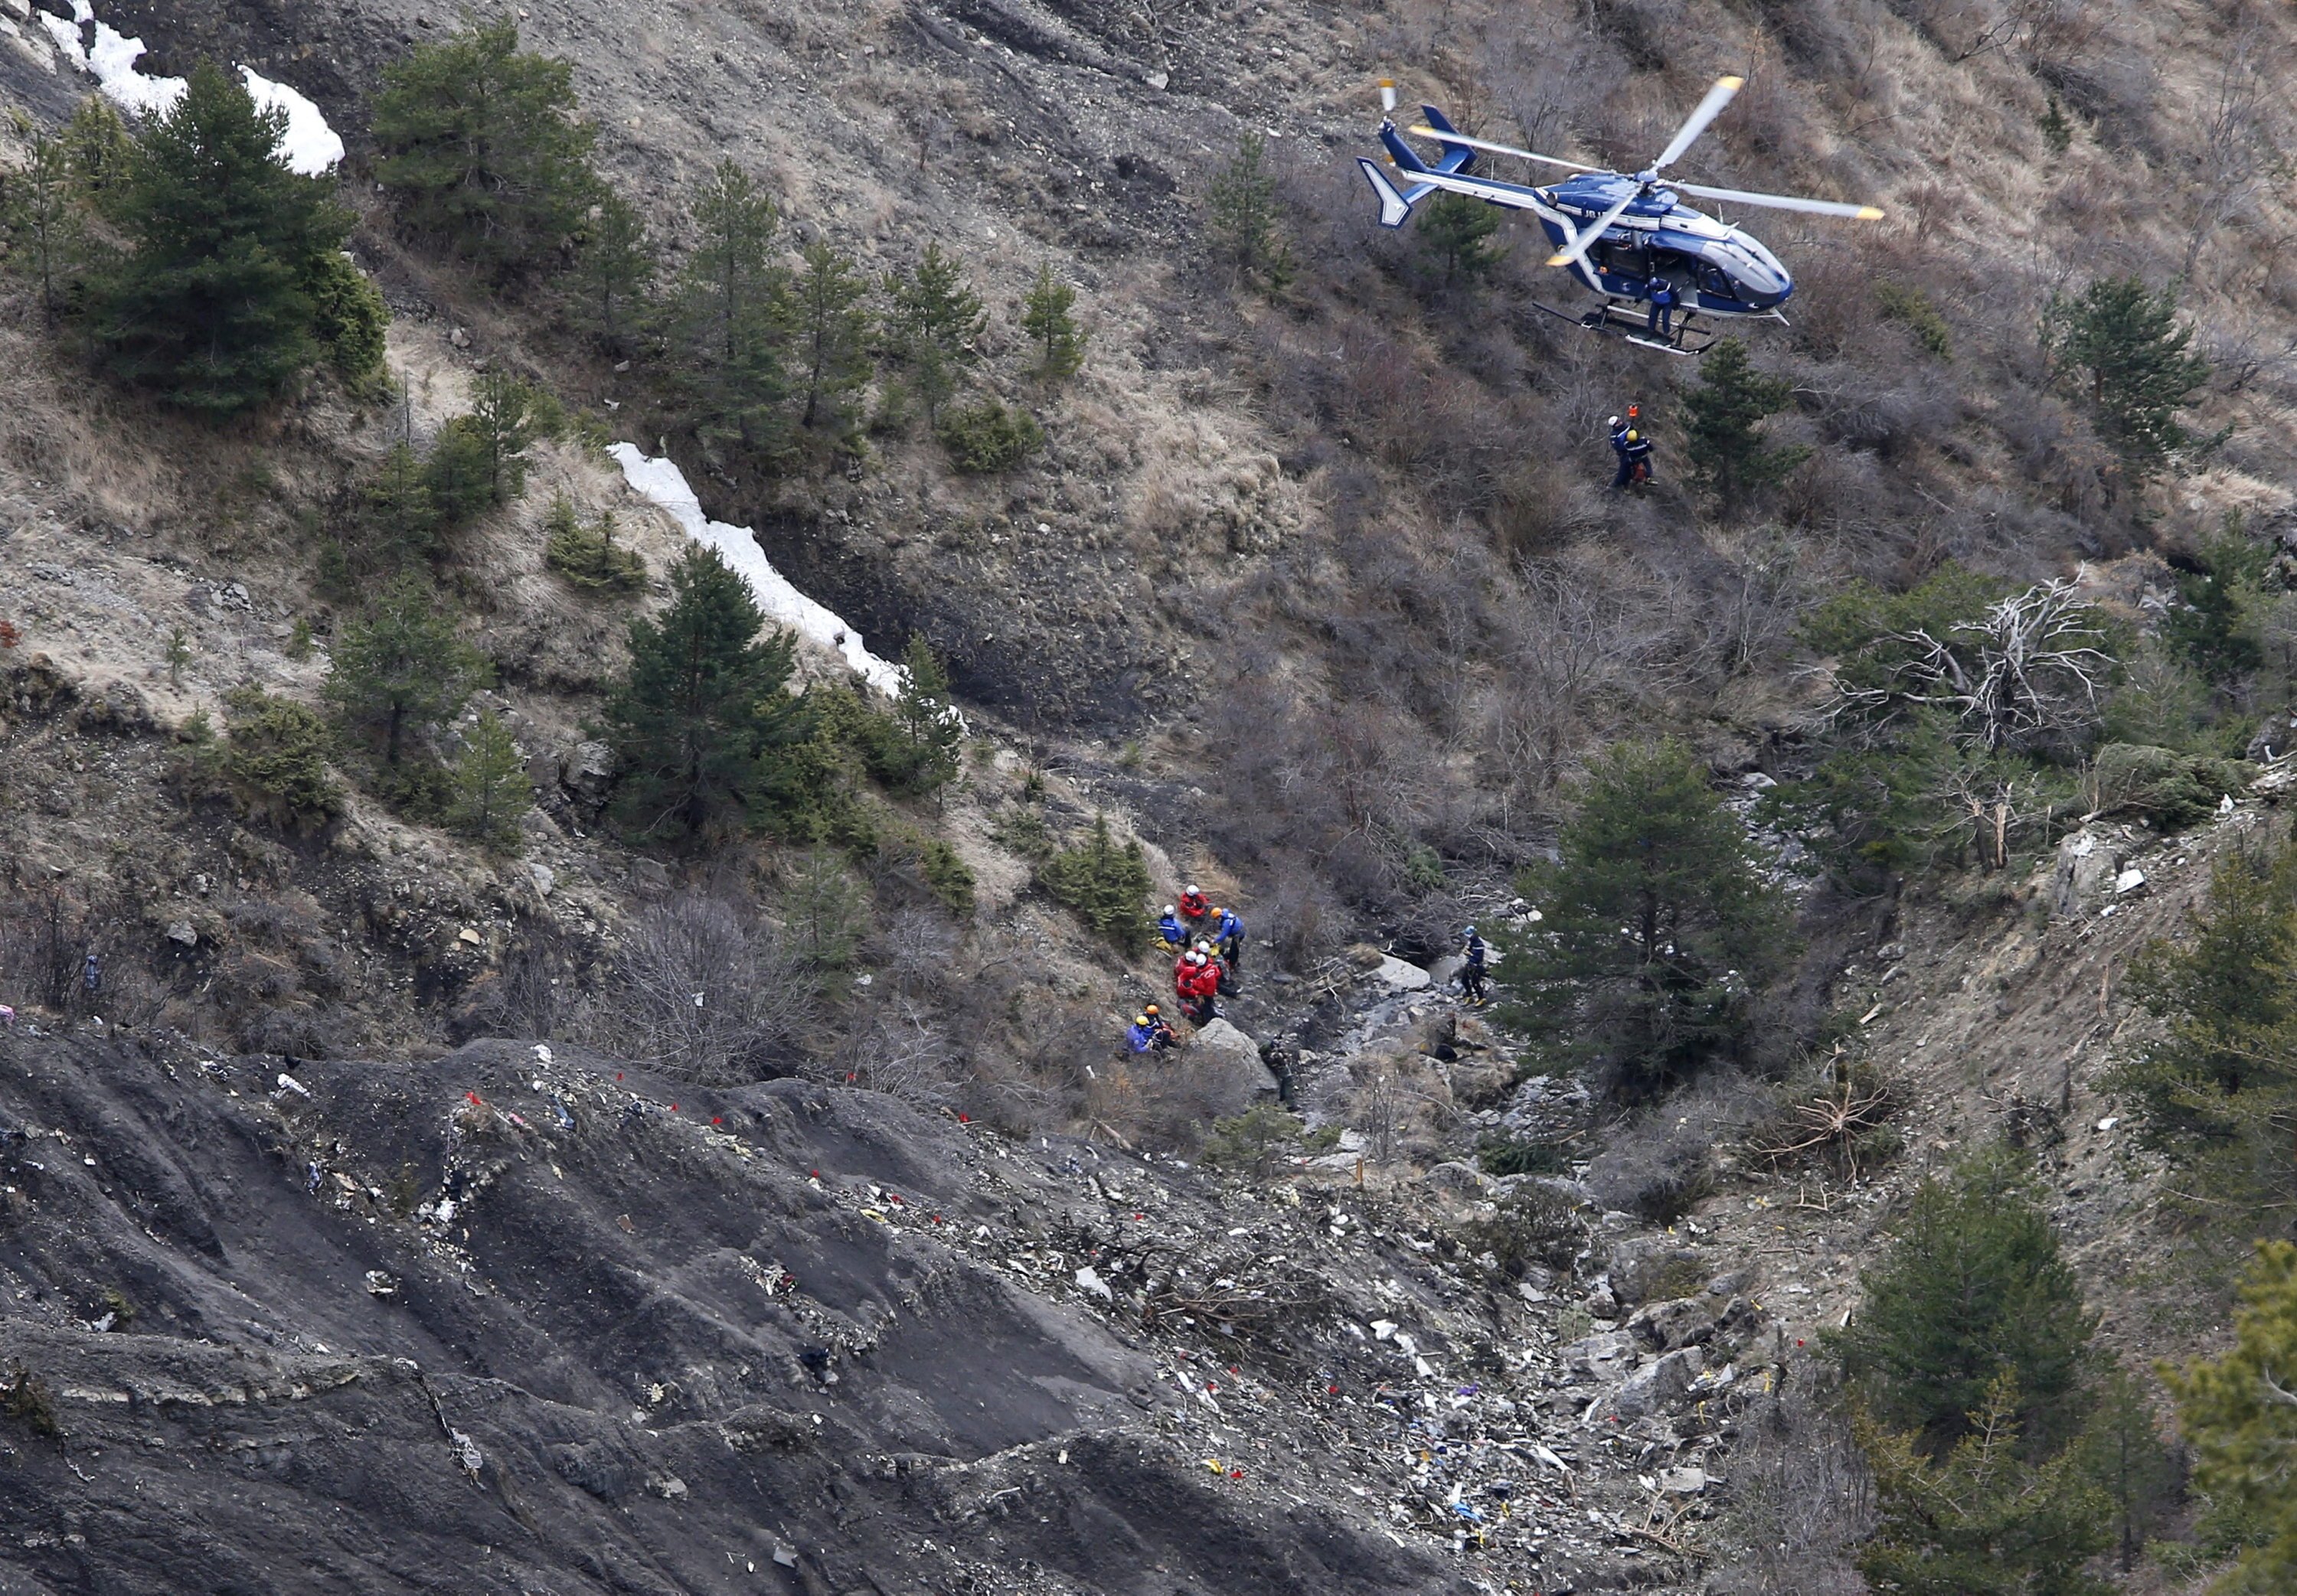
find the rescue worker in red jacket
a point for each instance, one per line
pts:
(1193, 909)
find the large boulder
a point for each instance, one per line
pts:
(1229, 1072)
(1658, 1384)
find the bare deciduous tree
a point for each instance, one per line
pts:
(706, 993)
(2240, 156)
(2026, 673)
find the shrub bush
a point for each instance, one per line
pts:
(588, 556)
(987, 437)
(275, 762)
(1533, 1226)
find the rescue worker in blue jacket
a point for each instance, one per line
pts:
(1663, 300)
(1169, 927)
(1475, 957)
(1148, 1033)
(1229, 940)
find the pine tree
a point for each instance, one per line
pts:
(1985, 1519)
(2123, 1454)
(1973, 1288)
(348, 317)
(1046, 319)
(100, 149)
(931, 728)
(825, 912)
(613, 266)
(1458, 230)
(832, 328)
(401, 664)
(478, 460)
(705, 698)
(211, 305)
(400, 521)
(1650, 848)
(1107, 885)
(275, 761)
(482, 145)
(2124, 344)
(491, 793)
(2240, 1413)
(729, 312)
(936, 326)
(2216, 1090)
(1242, 203)
(44, 215)
(1722, 425)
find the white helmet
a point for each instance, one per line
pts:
(1192, 888)
(1170, 909)
(1613, 423)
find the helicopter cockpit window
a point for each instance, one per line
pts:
(1715, 280)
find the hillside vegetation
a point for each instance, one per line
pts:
(357, 707)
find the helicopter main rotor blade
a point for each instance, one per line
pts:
(1709, 110)
(1572, 253)
(1491, 148)
(1859, 213)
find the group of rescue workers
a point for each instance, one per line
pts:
(1632, 445)
(1208, 944)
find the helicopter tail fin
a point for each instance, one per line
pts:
(1406, 158)
(1394, 207)
(1457, 157)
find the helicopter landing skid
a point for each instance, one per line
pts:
(1690, 337)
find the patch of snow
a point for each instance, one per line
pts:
(660, 482)
(309, 145)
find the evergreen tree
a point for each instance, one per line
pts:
(825, 912)
(2216, 1089)
(2212, 628)
(1973, 1288)
(704, 699)
(348, 317)
(1659, 922)
(98, 145)
(1458, 230)
(1046, 319)
(212, 304)
(481, 144)
(1722, 425)
(2131, 356)
(275, 762)
(478, 462)
(1107, 885)
(613, 266)
(931, 729)
(729, 312)
(1242, 203)
(832, 326)
(588, 555)
(401, 522)
(491, 792)
(2122, 1452)
(2240, 1413)
(1984, 1519)
(400, 663)
(936, 326)
(46, 229)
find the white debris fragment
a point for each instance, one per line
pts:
(1382, 1329)
(661, 483)
(1088, 1278)
(2131, 880)
(542, 1054)
(2109, 1121)
(288, 1082)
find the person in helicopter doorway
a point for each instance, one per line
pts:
(1633, 446)
(1663, 300)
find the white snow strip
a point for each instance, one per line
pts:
(310, 145)
(661, 483)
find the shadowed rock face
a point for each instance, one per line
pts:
(647, 1351)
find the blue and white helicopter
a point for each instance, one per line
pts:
(1617, 232)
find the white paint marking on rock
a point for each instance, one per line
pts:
(660, 482)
